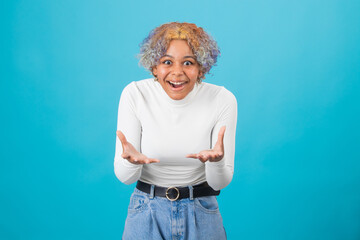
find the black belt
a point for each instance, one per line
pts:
(176, 193)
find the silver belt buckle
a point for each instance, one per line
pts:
(172, 199)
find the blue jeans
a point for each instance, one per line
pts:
(155, 218)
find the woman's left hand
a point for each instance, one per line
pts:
(215, 154)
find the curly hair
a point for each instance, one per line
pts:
(155, 45)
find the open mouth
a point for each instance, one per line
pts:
(177, 85)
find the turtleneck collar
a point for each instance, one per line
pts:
(187, 99)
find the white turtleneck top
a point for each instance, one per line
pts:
(168, 130)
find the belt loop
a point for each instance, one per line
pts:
(152, 191)
(191, 192)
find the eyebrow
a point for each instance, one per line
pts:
(166, 55)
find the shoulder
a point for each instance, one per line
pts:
(218, 92)
(139, 88)
(135, 91)
(140, 85)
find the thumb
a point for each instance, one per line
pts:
(121, 137)
(221, 134)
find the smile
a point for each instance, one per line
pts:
(176, 86)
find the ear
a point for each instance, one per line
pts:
(154, 71)
(201, 74)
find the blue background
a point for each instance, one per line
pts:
(294, 67)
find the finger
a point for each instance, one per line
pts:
(133, 161)
(153, 160)
(212, 157)
(221, 134)
(121, 137)
(140, 161)
(144, 161)
(215, 157)
(193, 155)
(125, 155)
(202, 158)
(218, 155)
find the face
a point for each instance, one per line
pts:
(178, 70)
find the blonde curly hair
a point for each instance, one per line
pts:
(155, 45)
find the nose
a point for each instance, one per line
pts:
(177, 69)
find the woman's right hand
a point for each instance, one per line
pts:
(131, 154)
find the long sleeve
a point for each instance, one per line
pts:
(219, 174)
(159, 127)
(130, 125)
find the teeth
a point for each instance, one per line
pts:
(176, 83)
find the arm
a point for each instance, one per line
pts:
(129, 124)
(219, 174)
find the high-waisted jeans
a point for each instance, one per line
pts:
(153, 218)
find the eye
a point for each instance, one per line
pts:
(188, 63)
(167, 62)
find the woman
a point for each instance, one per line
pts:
(172, 138)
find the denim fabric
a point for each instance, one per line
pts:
(158, 218)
